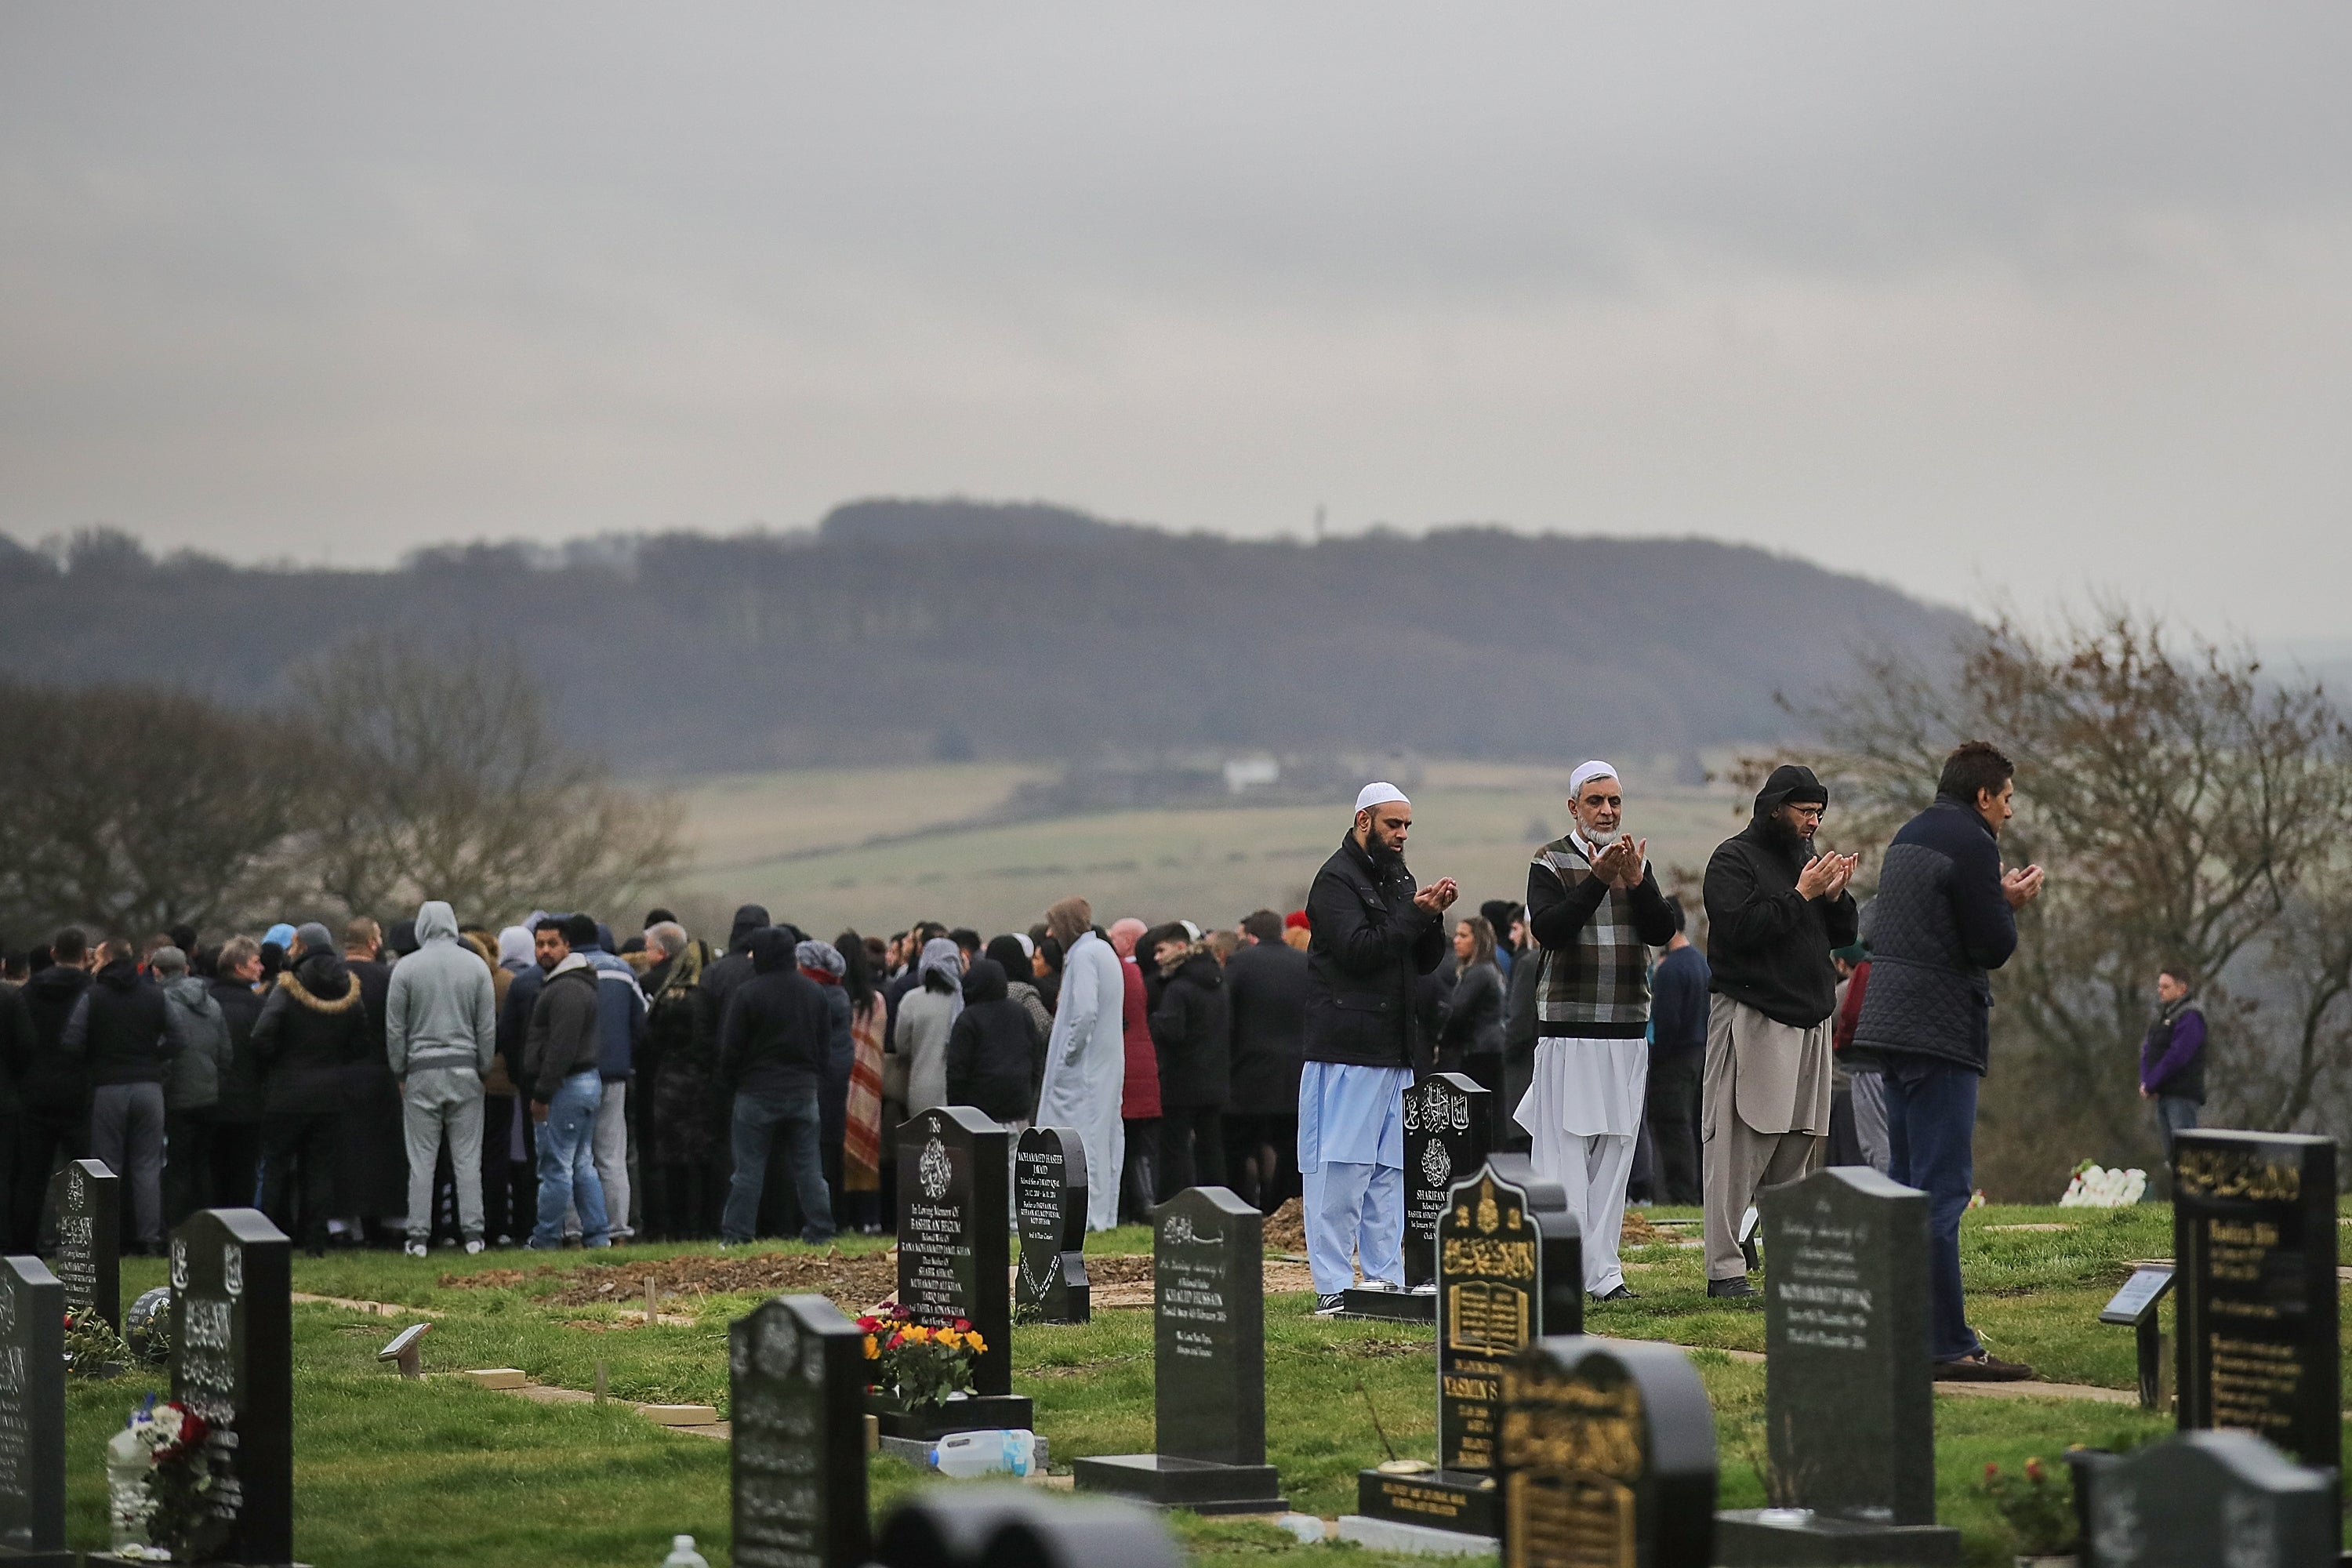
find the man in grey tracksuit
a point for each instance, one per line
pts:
(440, 1026)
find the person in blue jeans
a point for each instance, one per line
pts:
(561, 1053)
(1946, 914)
(773, 1046)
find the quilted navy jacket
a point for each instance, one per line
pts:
(1939, 923)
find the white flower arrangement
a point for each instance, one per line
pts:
(2095, 1187)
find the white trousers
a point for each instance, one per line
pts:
(1353, 1211)
(1592, 1170)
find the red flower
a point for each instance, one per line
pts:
(2034, 1471)
(1991, 1469)
(961, 1325)
(895, 1341)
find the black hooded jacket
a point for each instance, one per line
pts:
(1370, 943)
(721, 977)
(48, 1079)
(1768, 945)
(314, 1026)
(777, 1027)
(994, 1055)
(1191, 1024)
(122, 1028)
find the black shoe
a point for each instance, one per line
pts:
(1982, 1367)
(1329, 1306)
(1738, 1286)
(1622, 1293)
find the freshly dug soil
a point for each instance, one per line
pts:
(852, 1283)
(1637, 1231)
(1286, 1229)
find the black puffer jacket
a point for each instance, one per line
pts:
(993, 1049)
(124, 1028)
(314, 1026)
(1768, 945)
(1370, 945)
(1192, 1027)
(241, 1083)
(48, 1077)
(1939, 922)
(1265, 987)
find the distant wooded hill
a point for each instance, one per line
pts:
(900, 630)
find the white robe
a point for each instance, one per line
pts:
(1085, 1070)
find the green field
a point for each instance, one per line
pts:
(879, 848)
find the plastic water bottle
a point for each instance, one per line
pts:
(682, 1553)
(981, 1453)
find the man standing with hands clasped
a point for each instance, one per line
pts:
(1374, 933)
(1594, 907)
(1774, 910)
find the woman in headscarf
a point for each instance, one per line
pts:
(925, 1018)
(1085, 1060)
(861, 1136)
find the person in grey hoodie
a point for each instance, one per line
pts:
(192, 1088)
(440, 1027)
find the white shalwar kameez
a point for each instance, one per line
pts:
(1583, 1112)
(1085, 1070)
(1352, 1172)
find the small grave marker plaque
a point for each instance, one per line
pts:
(89, 1203)
(32, 1417)
(796, 1383)
(2135, 1307)
(1050, 1197)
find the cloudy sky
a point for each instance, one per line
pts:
(1995, 302)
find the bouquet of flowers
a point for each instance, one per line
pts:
(170, 1494)
(2094, 1188)
(917, 1364)
(2042, 1512)
(92, 1347)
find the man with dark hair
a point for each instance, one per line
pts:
(2172, 1056)
(1265, 984)
(124, 1029)
(562, 1055)
(371, 1169)
(621, 1021)
(1500, 913)
(1678, 988)
(773, 1048)
(1946, 914)
(52, 1086)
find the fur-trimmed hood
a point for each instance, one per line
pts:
(320, 982)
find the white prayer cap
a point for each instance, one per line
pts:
(1586, 775)
(1373, 794)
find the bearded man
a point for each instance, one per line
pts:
(1595, 910)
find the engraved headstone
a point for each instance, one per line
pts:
(955, 1259)
(1607, 1456)
(2204, 1499)
(2253, 1243)
(232, 1364)
(1011, 1527)
(1446, 1125)
(32, 1417)
(1849, 1402)
(1209, 1372)
(796, 1386)
(89, 1203)
(1510, 1270)
(1049, 1196)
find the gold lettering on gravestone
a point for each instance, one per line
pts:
(2234, 1253)
(2254, 1384)
(1570, 1519)
(1572, 1452)
(2236, 1173)
(1485, 1318)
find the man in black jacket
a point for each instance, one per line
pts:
(1775, 911)
(772, 1056)
(1265, 987)
(1375, 933)
(1191, 1034)
(237, 1117)
(123, 1029)
(1945, 914)
(52, 1086)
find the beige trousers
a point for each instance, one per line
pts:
(1765, 1117)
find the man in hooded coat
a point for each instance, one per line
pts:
(1085, 1060)
(440, 1030)
(1775, 911)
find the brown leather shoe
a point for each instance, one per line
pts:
(1982, 1367)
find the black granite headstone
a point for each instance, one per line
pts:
(232, 1362)
(2208, 1498)
(32, 1417)
(1208, 1371)
(955, 1259)
(1012, 1527)
(1510, 1271)
(89, 1203)
(2254, 1241)
(795, 1400)
(1445, 1128)
(1849, 1403)
(1607, 1456)
(1049, 1196)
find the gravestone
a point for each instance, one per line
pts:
(2204, 1499)
(795, 1397)
(2253, 1243)
(1607, 1458)
(1510, 1270)
(1849, 1401)
(955, 1259)
(32, 1417)
(1209, 1365)
(232, 1364)
(1446, 1133)
(1012, 1527)
(1049, 1193)
(88, 1203)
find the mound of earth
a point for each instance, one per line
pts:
(851, 1281)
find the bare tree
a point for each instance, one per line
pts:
(2190, 810)
(445, 778)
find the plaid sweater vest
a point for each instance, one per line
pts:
(1600, 987)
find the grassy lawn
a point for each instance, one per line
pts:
(392, 1472)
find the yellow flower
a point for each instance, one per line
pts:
(974, 1341)
(872, 1350)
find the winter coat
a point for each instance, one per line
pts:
(1193, 1028)
(1370, 945)
(15, 1048)
(1473, 1025)
(993, 1048)
(123, 1027)
(441, 1009)
(564, 1037)
(920, 1035)
(313, 1025)
(241, 1090)
(620, 1013)
(778, 1032)
(1031, 1003)
(720, 981)
(47, 1076)
(2173, 1054)
(1768, 945)
(1265, 987)
(685, 1088)
(1138, 1093)
(1940, 921)
(195, 1081)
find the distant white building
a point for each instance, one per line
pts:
(1245, 774)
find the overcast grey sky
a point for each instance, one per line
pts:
(1984, 300)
